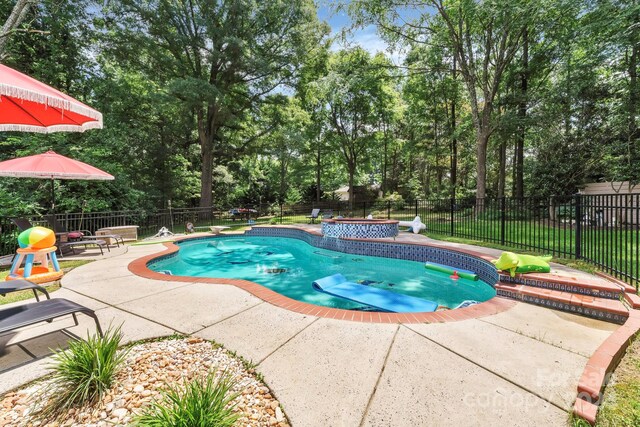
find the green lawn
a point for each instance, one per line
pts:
(621, 405)
(51, 287)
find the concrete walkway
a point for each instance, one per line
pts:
(518, 367)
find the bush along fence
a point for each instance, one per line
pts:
(602, 229)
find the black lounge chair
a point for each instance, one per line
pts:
(21, 285)
(72, 244)
(22, 223)
(29, 314)
(81, 235)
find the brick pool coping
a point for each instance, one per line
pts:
(601, 365)
(493, 306)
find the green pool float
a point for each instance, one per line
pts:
(515, 263)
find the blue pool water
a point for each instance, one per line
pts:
(289, 267)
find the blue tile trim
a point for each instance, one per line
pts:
(580, 290)
(557, 305)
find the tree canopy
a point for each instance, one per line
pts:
(244, 102)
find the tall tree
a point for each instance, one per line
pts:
(351, 91)
(14, 20)
(485, 37)
(222, 58)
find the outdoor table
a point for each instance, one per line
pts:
(127, 232)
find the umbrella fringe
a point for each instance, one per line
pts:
(50, 129)
(52, 101)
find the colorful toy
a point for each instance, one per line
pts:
(515, 263)
(36, 246)
(37, 238)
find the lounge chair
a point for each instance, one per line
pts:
(327, 214)
(85, 242)
(29, 314)
(21, 285)
(22, 223)
(81, 235)
(314, 215)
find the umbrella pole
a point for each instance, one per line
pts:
(53, 197)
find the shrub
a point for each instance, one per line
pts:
(81, 374)
(202, 402)
(396, 200)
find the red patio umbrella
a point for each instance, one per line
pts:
(28, 105)
(51, 166)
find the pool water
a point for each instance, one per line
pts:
(289, 267)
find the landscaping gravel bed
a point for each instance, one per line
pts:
(149, 368)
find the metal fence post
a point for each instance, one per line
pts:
(578, 220)
(388, 209)
(503, 218)
(452, 207)
(280, 213)
(364, 209)
(416, 208)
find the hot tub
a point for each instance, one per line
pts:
(359, 228)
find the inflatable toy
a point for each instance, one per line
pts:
(36, 247)
(416, 225)
(465, 274)
(515, 263)
(37, 238)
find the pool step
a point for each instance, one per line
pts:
(606, 309)
(601, 287)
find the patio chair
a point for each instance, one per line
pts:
(22, 223)
(327, 214)
(314, 215)
(44, 311)
(59, 228)
(21, 285)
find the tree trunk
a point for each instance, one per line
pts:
(502, 172)
(481, 169)
(17, 15)
(206, 150)
(634, 135)
(318, 173)
(384, 165)
(454, 140)
(522, 116)
(283, 178)
(206, 196)
(352, 173)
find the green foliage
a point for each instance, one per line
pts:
(255, 96)
(202, 402)
(396, 200)
(82, 374)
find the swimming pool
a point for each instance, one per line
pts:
(289, 266)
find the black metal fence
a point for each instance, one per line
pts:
(600, 229)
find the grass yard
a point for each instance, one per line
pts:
(50, 287)
(621, 406)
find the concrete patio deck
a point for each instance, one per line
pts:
(518, 367)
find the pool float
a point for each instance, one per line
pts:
(36, 246)
(516, 263)
(338, 286)
(465, 274)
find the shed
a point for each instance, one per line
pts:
(611, 203)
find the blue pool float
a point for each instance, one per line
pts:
(337, 285)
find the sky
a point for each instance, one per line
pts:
(367, 37)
